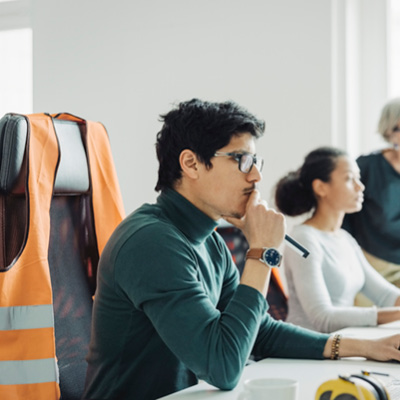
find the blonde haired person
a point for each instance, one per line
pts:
(377, 226)
(322, 287)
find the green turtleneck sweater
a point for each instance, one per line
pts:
(169, 309)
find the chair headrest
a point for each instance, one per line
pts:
(72, 174)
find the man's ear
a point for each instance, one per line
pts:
(189, 163)
(319, 187)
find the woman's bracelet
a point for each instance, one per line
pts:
(335, 347)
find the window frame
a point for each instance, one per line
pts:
(392, 43)
(360, 73)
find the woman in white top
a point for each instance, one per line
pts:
(322, 287)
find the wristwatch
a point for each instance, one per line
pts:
(269, 256)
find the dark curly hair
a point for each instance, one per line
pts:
(294, 194)
(203, 127)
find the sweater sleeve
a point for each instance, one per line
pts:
(307, 284)
(285, 340)
(179, 295)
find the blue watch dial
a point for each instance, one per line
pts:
(272, 257)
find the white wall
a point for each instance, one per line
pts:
(125, 62)
(360, 72)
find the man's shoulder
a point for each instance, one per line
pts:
(149, 219)
(146, 233)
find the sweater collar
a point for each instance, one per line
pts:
(196, 225)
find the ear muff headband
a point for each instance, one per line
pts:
(379, 388)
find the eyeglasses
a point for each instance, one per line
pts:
(245, 160)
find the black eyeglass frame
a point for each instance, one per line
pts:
(239, 157)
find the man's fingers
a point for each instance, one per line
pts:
(254, 199)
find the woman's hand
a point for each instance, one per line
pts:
(388, 314)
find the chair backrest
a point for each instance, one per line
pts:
(73, 250)
(238, 246)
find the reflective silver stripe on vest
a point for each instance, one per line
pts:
(26, 317)
(30, 371)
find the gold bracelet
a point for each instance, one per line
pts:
(335, 347)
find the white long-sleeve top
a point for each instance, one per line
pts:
(322, 287)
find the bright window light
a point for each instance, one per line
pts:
(16, 71)
(394, 48)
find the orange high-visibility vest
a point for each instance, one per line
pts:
(28, 363)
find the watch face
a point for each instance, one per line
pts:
(272, 257)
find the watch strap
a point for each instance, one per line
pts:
(255, 253)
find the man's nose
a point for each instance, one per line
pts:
(254, 175)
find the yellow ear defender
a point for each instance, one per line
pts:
(353, 387)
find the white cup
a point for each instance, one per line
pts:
(270, 389)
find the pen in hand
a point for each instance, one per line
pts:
(296, 246)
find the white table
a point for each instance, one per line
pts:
(373, 331)
(309, 373)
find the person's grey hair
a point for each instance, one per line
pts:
(390, 118)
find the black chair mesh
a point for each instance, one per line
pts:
(12, 218)
(72, 290)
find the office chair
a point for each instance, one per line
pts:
(85, 208)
